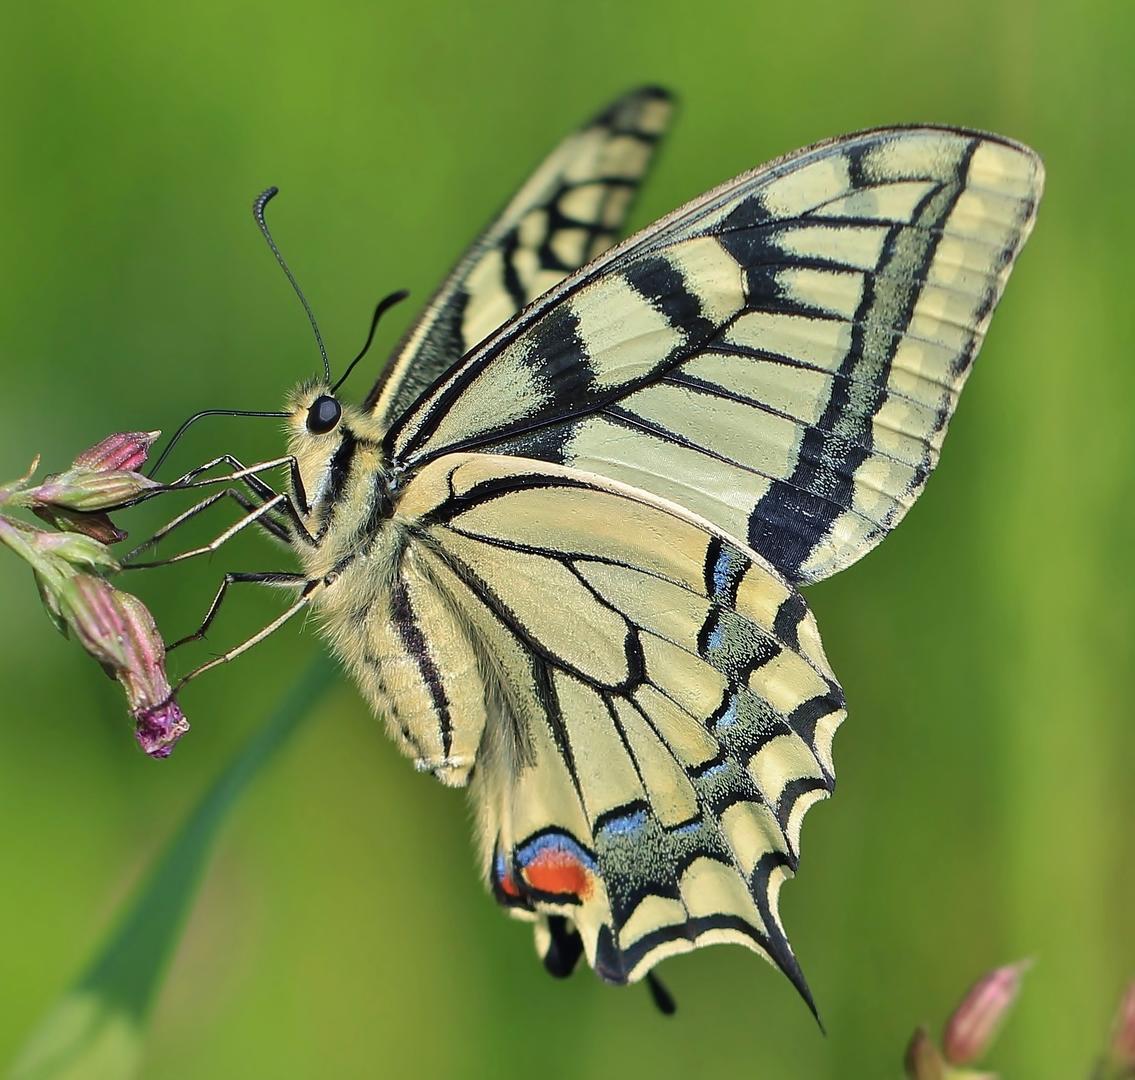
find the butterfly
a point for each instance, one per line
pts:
(560, 544)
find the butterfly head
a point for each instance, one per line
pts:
(316, 416)
(324, 435)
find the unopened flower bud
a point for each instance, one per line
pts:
(1121, 1056)
(70, 569)
(88, 489)
(158, 727)
(923, 1059)
(99, 478)
(126, 450)
(54, 558)
(118, 630)
(95, 523)
(971, 1029)
(90, 606)
(76, 549)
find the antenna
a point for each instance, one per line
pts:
(197, 416)
(383, 306)
(262, 200)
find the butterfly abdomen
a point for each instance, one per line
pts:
(411, 654)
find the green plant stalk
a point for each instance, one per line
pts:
(96, 1031)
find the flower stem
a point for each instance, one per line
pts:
(97, 1028)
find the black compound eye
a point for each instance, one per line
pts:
(323, 415)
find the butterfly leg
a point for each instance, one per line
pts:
(259, 486)
(273, 579)
(310, 590)
(242, 472)
(261, 512)
(248, 474)
(270, 524)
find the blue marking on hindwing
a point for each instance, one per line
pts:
(714, 770)
(624, 825)
(687, 828)
(554, 841)
(721, 571)
(728, 718)
(728, 568)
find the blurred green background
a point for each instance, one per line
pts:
(985, 807)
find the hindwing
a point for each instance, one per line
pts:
(666, 711)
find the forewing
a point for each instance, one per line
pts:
(673, 706)
(569, 211)
(781, 356)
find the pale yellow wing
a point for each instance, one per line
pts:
(781, 355)
(569, 211)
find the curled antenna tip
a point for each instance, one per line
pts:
(258, 206)
(262, 200)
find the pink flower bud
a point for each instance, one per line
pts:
(1122, 1055)
(971, 1029)
(90, 606)
(99, 478)
(118, 630)
(113, 626)
(126, 450)
(923, 1059)
(158, 727)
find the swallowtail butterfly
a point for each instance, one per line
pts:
(561, 543)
